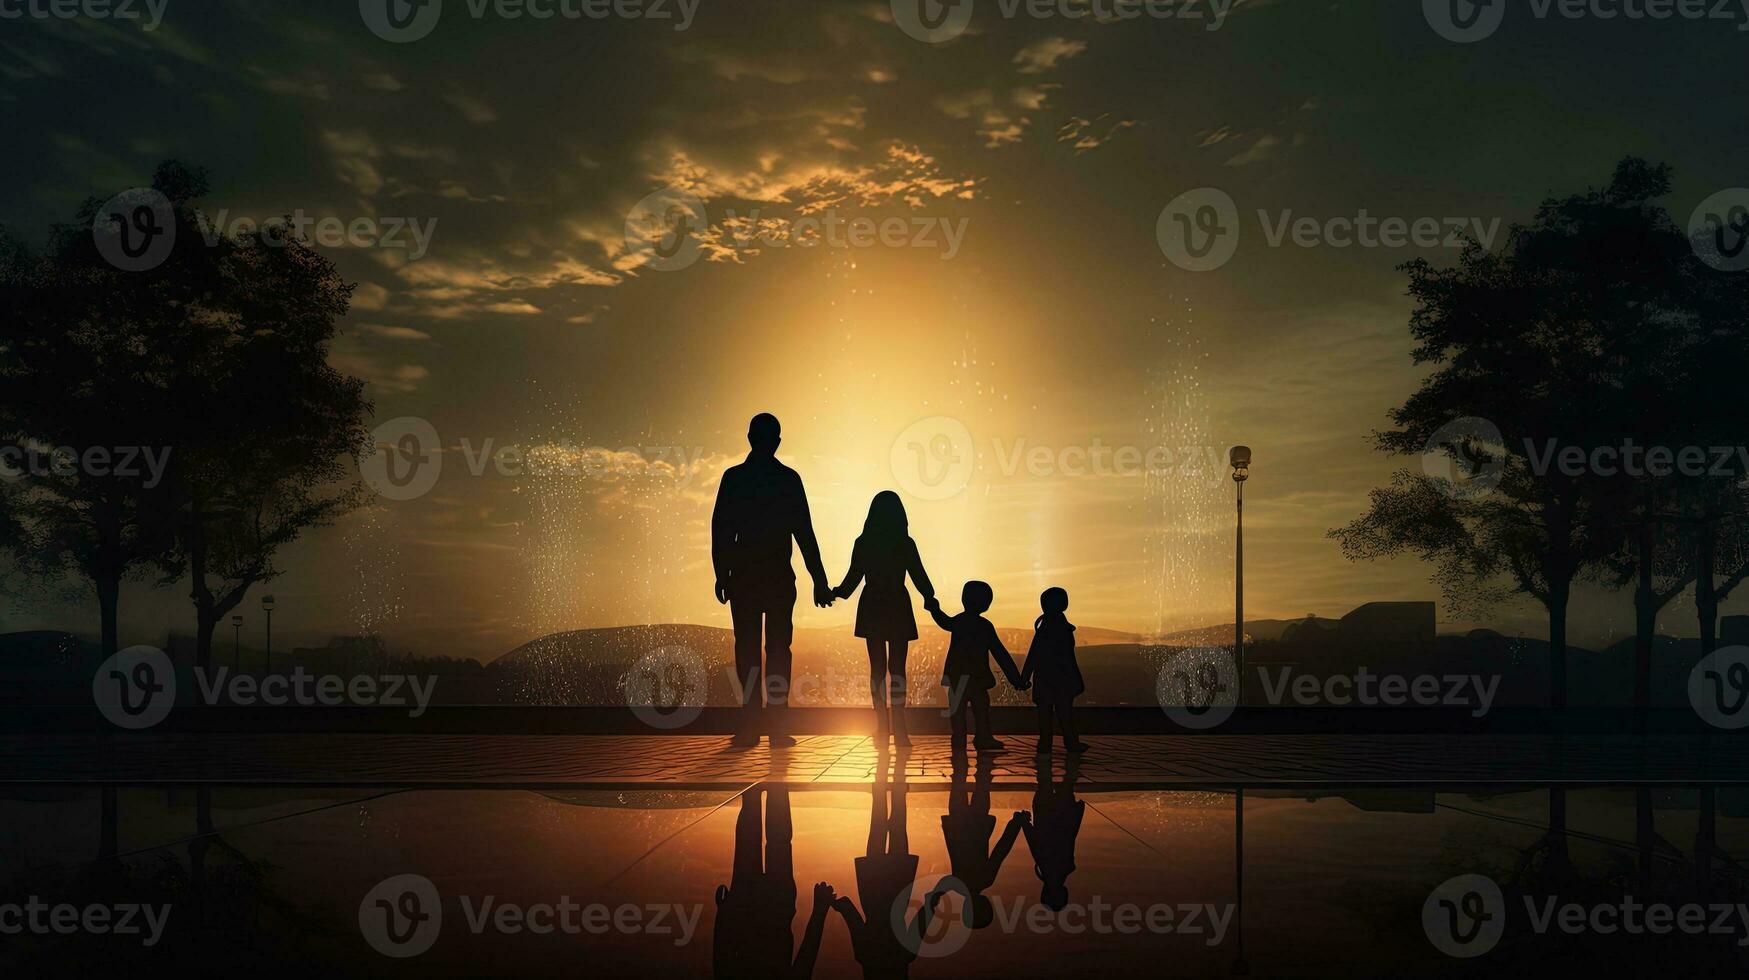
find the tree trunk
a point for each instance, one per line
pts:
(108, 601)
(1706, 596)
(1558, 595)
(204, 624)
(106, 569)
(1645, 618)
(204, 617)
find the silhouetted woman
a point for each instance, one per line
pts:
(883, 555)
(884, 944)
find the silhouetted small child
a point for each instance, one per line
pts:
(966, 829)
(1053, 673)
(966, 673)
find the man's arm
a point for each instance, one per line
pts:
(723, 533)
(810, 546)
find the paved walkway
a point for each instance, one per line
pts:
(701, 762)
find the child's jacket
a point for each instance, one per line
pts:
(968, 653)
(1050, 663)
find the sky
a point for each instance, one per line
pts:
(949, 268)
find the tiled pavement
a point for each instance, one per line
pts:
(699, 762)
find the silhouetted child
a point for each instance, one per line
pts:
(966, 673)
(752, 932)
(1053, 673)
(883, 556)
(967, 827)
(1051, 831)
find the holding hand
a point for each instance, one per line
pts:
(932, 604)
(823, 895)
(842, 592)
(822, 595)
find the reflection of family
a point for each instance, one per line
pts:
(761, 507)
(752, 934)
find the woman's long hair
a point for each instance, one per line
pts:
(1055, 603)
(887, 527)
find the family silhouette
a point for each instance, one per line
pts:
(752, 935)
(762, 508)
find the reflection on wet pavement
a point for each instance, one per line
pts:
(975, 878)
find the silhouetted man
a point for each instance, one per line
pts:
(760, 506)
(752, 937)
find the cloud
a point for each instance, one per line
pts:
(369, 296)
(1261, 150)
(394, 333)
(472, 108)
(386, 378)
(1033, 96)
(1090, 134)
(1042, 56)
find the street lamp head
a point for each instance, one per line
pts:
(236, 620)
(267, 602)
(1240, 457)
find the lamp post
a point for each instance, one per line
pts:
(1240, 458)
(267, 607)
(237, 644)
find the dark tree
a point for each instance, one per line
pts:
(83, 375)
(1715, 504)
(213, 360)
(274, 462)
(1555, 341)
